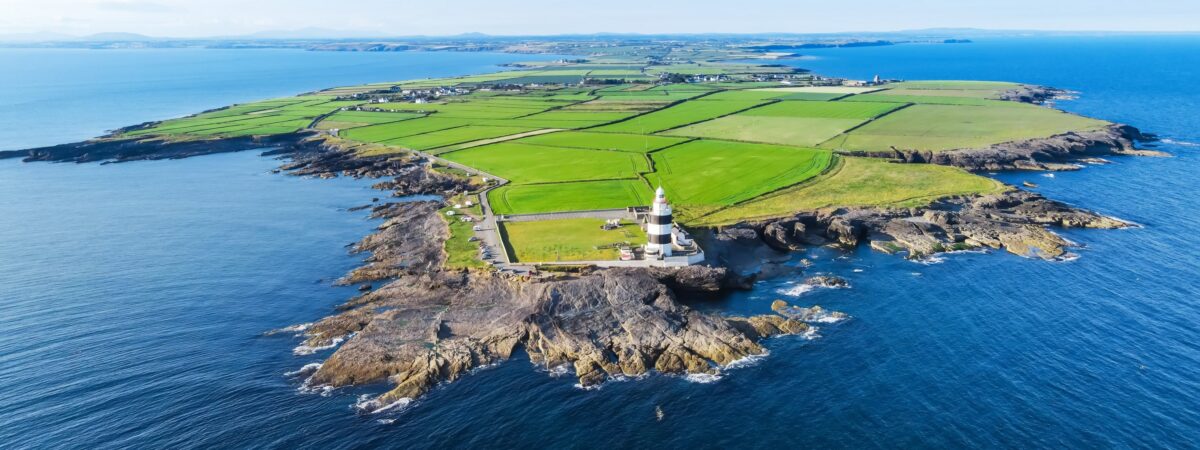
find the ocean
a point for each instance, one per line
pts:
(134, 297)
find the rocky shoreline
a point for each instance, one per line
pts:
(1054, 153)
(425, 325)
(1015, 221)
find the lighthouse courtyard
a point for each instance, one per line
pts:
(631, 237)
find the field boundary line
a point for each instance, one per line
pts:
(835, 166)
(769, 102)
(415, 134)
(495, 140)
(668, 105)
(420, 116)
(865, 122)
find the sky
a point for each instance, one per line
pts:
(199, 18)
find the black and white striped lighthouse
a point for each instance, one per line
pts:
(658, 225)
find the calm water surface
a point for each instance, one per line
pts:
(134, 296)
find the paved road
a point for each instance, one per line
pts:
(488, 232)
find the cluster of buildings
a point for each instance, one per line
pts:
(407, 95)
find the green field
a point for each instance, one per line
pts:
(861, 182)
(524, 163)
(947, 127)
(435, 139)
(886, 96)
(702, 175)
(566, 240)
(353, 119)
(821, 110)
(259, 118)
(804, 132)
(579, 196)
(389, 131)
(992, 87)
(799, 123)
(461, 253)
(838, 90)
(682, 114)
(604, 141)
(602, 133)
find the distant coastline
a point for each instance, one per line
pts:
(421, 320)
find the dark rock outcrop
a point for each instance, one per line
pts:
(1059, 152)
(1016, 221)
(424, 329)
(827, 281)
(120, 150)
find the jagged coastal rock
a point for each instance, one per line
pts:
(1059, 152)
(428, 326)
(415, 324)
(1015, 221)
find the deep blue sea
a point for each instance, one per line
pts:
(134, 297)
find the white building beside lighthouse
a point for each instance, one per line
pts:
(659, 224)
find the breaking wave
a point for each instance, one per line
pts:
(368, 405)
(323, 390)
(702, 378)
(559, 370)
(796, 290)
(1180, 143)
(747, 361)
(812, 333)
(307, 369)
(295, 329)
(308, 350)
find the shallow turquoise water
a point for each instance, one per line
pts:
(134, 297)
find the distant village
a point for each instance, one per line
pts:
(398, 94)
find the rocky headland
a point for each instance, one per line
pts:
(1055, 153)
(415, 324)
(1016, 221)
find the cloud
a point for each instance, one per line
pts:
(137, 6)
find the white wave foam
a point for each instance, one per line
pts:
(930, 260)
(308, 350)
(386, 421)
(812, 333)
(826, 317)
(368, 405)
(703, 378)
(1180, 143)
(1048, 175)
(795, 290)
(294, 329)
(323, 390)
(559, 370)
(305, 370)
(484, 367)
(297, 328)
(747, 361)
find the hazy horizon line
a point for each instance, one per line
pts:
(316, 33)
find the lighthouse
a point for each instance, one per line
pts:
(658, 225)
